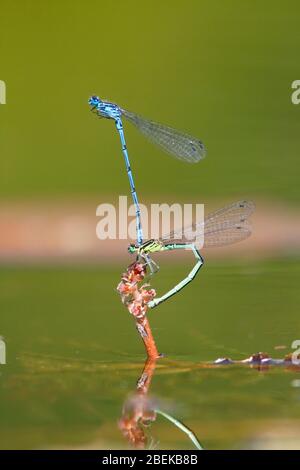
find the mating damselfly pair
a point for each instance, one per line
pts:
(222, 227)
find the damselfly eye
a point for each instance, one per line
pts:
(94, 100)
(131, 248)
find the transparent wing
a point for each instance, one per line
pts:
(180, 145)
(222, 227)
(227, 234)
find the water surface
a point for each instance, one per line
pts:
(74, 357)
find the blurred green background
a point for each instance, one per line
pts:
(222, 71)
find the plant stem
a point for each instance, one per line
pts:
(144, 329)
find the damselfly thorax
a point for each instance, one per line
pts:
(146, 248)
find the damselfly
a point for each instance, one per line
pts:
(180, 145)
(222, 227)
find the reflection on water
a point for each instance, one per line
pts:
(71, 363)
(140, 411)
(56, 402)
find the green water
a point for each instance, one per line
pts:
(73, 356)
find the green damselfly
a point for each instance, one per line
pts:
(223, 227)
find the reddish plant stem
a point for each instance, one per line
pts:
(144, 329)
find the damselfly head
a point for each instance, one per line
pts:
(131, 248)
(94, 101)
